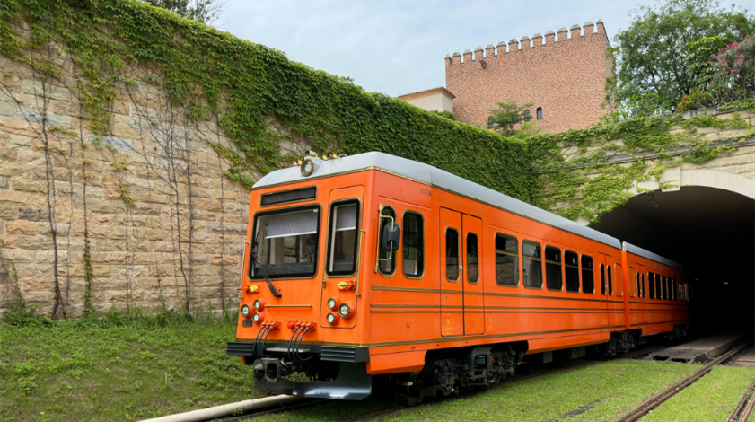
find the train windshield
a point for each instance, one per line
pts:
(286, 243)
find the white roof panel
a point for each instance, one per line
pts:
(435, 177)
(651, 255)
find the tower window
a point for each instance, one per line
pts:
(539, 113)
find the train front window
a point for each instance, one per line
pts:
(342, 247)
(286, 243)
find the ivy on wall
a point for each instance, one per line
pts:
(261, 99)
(258, 96)
(590, 184)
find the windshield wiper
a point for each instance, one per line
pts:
(259, 265)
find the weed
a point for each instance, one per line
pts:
(27, 385)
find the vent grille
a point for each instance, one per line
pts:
(288, 196)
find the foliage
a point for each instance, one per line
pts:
(508, 114)
(732, 75)
(699, 61)
(259, 97)
(591, 182)
(123, 366)
(653, 55)
(205, 11)
(445, 113)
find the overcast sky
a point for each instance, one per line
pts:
(397, 47)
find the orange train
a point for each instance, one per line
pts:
(374, 271)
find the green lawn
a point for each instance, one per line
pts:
(712, 398)
(610, 387)
(72, 372)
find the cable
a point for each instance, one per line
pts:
(296, 352)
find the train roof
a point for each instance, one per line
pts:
(435, 177)
(651, 255)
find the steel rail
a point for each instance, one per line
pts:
(744, 408)
(657, 399)
(389, 412)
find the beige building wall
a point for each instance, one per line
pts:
(438, 99)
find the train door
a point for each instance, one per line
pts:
(641, 296)
(461, 292)
(341, 260)
(474, 305)
(603, 292)
(451, 286)
(611, 290)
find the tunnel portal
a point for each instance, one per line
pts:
(711, 232)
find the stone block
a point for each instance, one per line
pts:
(20, 141)
(36, 116)
(20, 227)
(46, 90)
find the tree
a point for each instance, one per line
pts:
(652, 55)
(504, 118)
(205, 11)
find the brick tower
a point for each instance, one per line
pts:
(563, 77)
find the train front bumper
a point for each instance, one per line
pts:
(349, 382)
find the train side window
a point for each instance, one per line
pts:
(571, 262)
(610, 284)
(588, 282)
(658, 288)
(387, 262)
(643, 285)
(553, 279)
(676, 290)
(602, 279)
(342, 250)
(452, 254)
(413, 255)
(651, 284)
(664, 285)
(506, 260)
(638, 289)
(472, 258)
(531, 266)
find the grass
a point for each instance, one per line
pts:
(712, 398)
(610, 387)
(123, 366)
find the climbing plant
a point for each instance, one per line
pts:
(608, 159)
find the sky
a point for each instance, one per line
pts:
(397, 47)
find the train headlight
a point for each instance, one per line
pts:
(307, 167)
(258, 317)
(245, 311)
(259, 304)
(333, 303)
(331, 318)
(346, 310)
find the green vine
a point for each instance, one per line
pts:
(595, 179)
(259, 97)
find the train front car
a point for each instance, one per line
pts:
(300, 307)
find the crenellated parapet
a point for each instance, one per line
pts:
(537, 42)
(562, 73)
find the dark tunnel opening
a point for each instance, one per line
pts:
(711, 232)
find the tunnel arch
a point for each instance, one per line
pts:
(706, 223)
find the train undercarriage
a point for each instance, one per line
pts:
(340, 372)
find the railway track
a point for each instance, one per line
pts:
(744, 409)
(394, 411)
(656, 400)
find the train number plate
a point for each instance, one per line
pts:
(246, 323)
